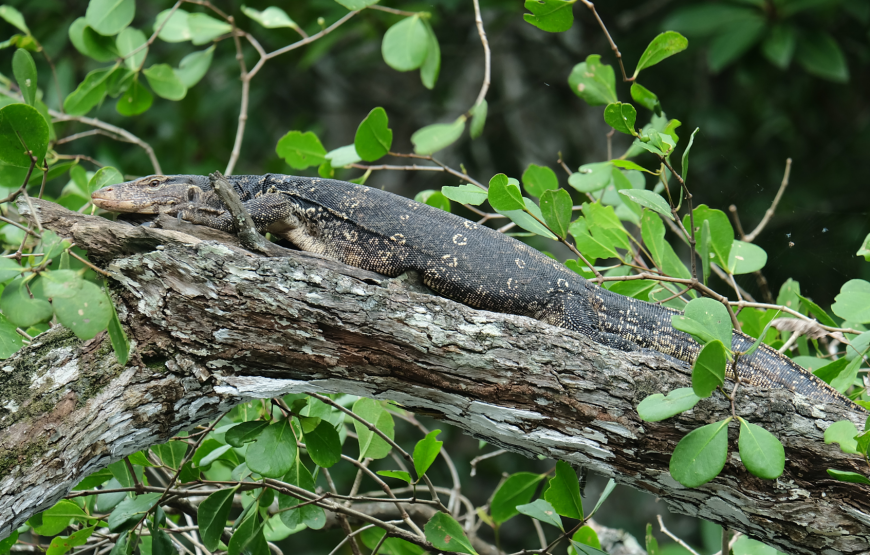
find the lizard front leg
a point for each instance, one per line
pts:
(270, 212)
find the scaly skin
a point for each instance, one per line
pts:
(472, 264)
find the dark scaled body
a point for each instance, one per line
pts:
(386, 233)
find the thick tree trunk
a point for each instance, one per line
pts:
(213, 325)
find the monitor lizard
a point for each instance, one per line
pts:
(457, 258)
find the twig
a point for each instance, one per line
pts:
(153, 36)
(342, 518)
(613, 47)
(487, 62)
(126, 135)
(391, 10)
(84, 157)
(673, 537)
(769, 213)
(447, 168)
(88, 264)
(83, 134)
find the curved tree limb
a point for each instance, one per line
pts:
(213, 325)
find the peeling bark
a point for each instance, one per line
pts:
(213, 326)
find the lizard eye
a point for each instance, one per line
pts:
(154, 183)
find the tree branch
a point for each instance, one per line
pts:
(213, 325)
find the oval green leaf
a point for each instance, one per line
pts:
(406, 44)
(556, 209)
(591, 177)
(165, 83)
(553, 16)
(323, 444)
(563, 492)
(447, 534)
(649, 199)
(24, 69)
(274, 451)
(504, 195)
(621, 116)
(435, 137)
(761, 452)
(516, 490)
(700, 456)
(22, 129)
(109, 17)
(301, 150)
(708, 371)
(663, 46)
(537, 179)
(465, 194)
(659, 407)
(746, 258)
(593, 81)
(543, 511)
(212, 516)
(373, 138)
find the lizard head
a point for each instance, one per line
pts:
(153, 194)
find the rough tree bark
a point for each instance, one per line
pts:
(213, 325)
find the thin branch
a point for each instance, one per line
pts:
(476, 460)
(487, 57)
(613, 47)
(392, 10)
(126, 135)
(673, 537)
(769, 213)
(448, 169)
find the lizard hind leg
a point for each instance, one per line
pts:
(575, 312)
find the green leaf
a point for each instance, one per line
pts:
(629, 165)
(311, 515)
(248, 537)
(129, 40)
(820, 55)
(659, 407)
(204, 28)
(583, 549)
(652, 544)
(478, 119)
(61, 544)
(778, 47)
(591, 177)
(593, 81)
(864, 250)
(171, 453)
(7, 543)
(212, 516)
(646, 98)
(748, 546)
(504, 195)
(343, 156)
(165, 82)
(853, 302)
(86, 314)
(398, 474)
(708, 371)
(721, 232)
(622, 117)
(90, 43)
(844, 433)
(274, 450)
(20, 309)
(373, 138)
(846, 476)
(563, 492)
(608, 489)
(372, 445)
(10, 340)
(438, 136)
(24, 69)
(55, 519)
(432, 67)
(649, 199)
(406, 44)
(818, 312)
(22, 128)
(9, 270)
(118, 81)
(62, 283)
(433, 198)
(426, 451)
(301, 150)
(516, 490)
(465, 194)
(663, 46)
(131, 510)
(445, 533)
(245, 432)
(109, 17)
(586, 536)
(357, 4)
(526, 221)
(705, 249)
(700, 456)
(745, 258)
(556, 209)
(553, 16)
(761, 452)
(538, 179)
(685, 168)
(176, 29)
(136, 100)
(706, 320)
(734, 41)
(323, 444)
(270, 18)
(194, 66)
(104, 177)
(13, 17)
(543, 511)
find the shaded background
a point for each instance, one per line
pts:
(752, 116)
